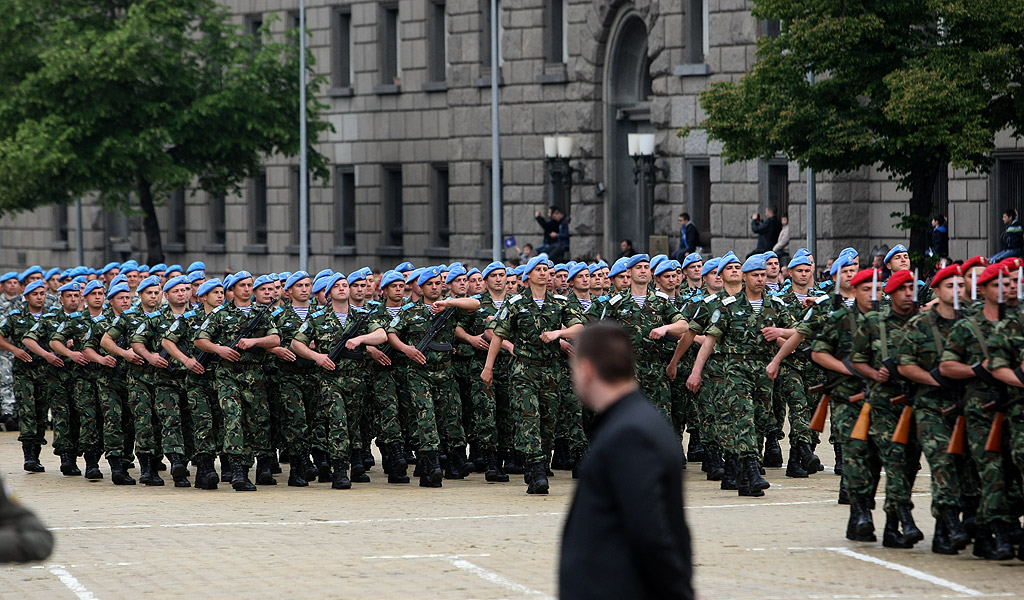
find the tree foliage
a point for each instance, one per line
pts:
(912, 85)
(140, 97)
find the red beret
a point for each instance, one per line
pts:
(991, 272)
(1012, 264)
(897, 279)
(865, 275)
(946, 273)
(977, 261)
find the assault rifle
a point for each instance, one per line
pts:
(204, 357)
(339, 350)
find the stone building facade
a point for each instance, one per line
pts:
(409, 99)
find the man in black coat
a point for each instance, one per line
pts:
(767, 231)
(625, 536)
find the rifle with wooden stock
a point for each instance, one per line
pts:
(203, 357)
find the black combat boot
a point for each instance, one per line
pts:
(1000, 547)
(714, 464)
(940, 540)
(284, 457)
(368, 460)
(430, 469)
(69, 465)
(158, 463)
(772, 452)
(560, 458)
(275, 464)
(838, 448)
(970, 512)
(479, 459)
(410, 456)
(264, 471)
(205, 474)
(756, 480)
(29, 450)
(730, 473)
(212, 478)
(149, 474)
(178, 468)
(809, 461)
(225, 469)
(92, 466)
(339, 476)
(358, 467)
(536, 479)
(300, 459)
(950, 518)
(296, 474)
(746, 478)
(457, 461)
(891, 537)
(36, 449)
(514, 463)
(240, 475)
(118, 474)
(682, 453)
(844, 495)
(911, 534)
(397, 469)
(323, 466)
(577, 462)
(492, 471)
(794, 467)
(859, 521)
(695, 449)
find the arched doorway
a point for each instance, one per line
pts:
(627, 110)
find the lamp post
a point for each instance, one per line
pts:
(641, 150)
(557, 152)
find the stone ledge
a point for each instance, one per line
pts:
(341, 92)
(387, 89)
(390, 251)
(214, 248)
(174, 247)
(691, 70)
(435, 86)
(437, 252)
(343, 251)
(254, 248)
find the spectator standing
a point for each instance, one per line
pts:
(689, 238)
(1013, 238)
(767, 231)
(781, 246)
(626, 249)
(556, 233)
(940, 237)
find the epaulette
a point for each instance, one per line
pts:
(559, 297)
(219, 308)
(662, 295)
(728, 301)
(615, 299)
(277, 310)
(824, 285)
(515, 299)
(373, 302)
(153, 314)
(778, 299)
(15, 312)
(359, 309)
(75, 314)
(188, 314)
(314, 315)
(130, 311)
(49, 314)
(478, 296)
(408, 306)
(602, 299)
(99, 318)
(709, 299)
(822, 298)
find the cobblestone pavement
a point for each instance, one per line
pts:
(468, 540)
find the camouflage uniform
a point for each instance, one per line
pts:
(8, 403)
(28, 380)
(535, 371)
(298, 399)
(74, 333)
(713, 429)
(112, 391)
(58, 386)
(240, 391)
(505, 424)
(478, 398)
(1006, 347)
(384, 390)
(170, 397)
(140, 384)
(879, 337)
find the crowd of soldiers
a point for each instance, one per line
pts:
(458, 370)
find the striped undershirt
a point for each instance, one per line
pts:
(640, 300)
(757, 304)
(303, 312)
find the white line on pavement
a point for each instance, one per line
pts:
(71, 582)
(404, 556)
(494, 578)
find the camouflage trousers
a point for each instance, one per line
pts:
(995, 499)
(709, 397)
(293, 421)
(272, 387)
(339, 388)
(243, 403)
(447, 406)
(60, 388)
(8, 404)
(90, 415)
(204, 413)
(383, 394)
(406, 420)
(791, 393)
(654, 382)
(428, 389)
(933, 432)
(1013, 442)
(33, 409)
(684, 404)
(857, 460)
(504, 424)
(569, 417)
(170, 402)
(746, 399)
(478, 410)
(880, 449)
(118, 424)
(142, 399)
(533, 406)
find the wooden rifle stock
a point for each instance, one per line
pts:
(860, 429)
(818, 419)
(956, 440)
(817, 389)
(857, 397)
(901, 399)
(902, 433)
(994, 443)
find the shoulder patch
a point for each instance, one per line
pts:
(716, 316)
(708, 299)
(407, 306)
(559, 297)
(615, 299)
(140, 329)
(277, 310)
(603, 298)
(728, 301)
(662, 295)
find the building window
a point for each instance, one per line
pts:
(341, 49)
(218, 219)
(698, 44)
(391, 203)
(345, 207)
(440, 229)
(556, 30)
(700, 201)
(253, 23)
(486, 214)
(777, 192)
(60, 223)
(294, 182)
(437, 40)
(769, 27)
(940, 195)
(258, 208)
(390, 46)
(1008, 175)
(485, 35)
(176, 227)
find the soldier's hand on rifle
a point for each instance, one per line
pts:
(157, 361)
(245, 344)
(22, 355)
(882, 375)
(325, 362)
(549, 336)
(134, 358)
(415, 355)
(194, 366)
(79, 358)
(54, 360)
(438, 306)
(568, 348)
(283, 353)
(108, 361)
(228, 354)
(378, 356)
(487, 375)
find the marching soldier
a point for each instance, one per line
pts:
(28, 374)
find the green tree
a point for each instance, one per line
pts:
(137, 98)
(912, 85)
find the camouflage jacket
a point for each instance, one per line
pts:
(923, 341)
(288, 322)
(879, 337)
(521, 321)
(964, 346)
(323, 330)
(835, 337)
(639, 321)
(736, 326)
(224, 324)
(14, 327)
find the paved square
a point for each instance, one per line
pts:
(470, 539)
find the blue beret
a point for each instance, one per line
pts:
(510, 272)
(655, 261)
(561, 267)
(728, 259)
(196, 266)
(550, 263)
(172, 269)
(602, 265)
(74, 286)
(295, 278)
(284, 275)
(142, 269)
(320, 284)
(691, 258)
(357, 275)
(454, 272)
(129, 263)
(618, 267)
(577, 269)
(128, 268)
(519, 270)
(323, 273)
(262, 280)
(390, 277)
(428, 274)
(455, 264)
(148, 282)
(756, 262)
(239, 276)
(158, 268)
(195, 276)
(594, 268)
(107, 267)
(405, 267)
(802, 252)
(799, 261)
(532, 264)
(51, 273)
(473, 271)
(30, 271)
(665, 266)
(80, 279)
(844, 260)
(63, 275)
(709, 266)
(637, 259)
(208, 286)
(273, 277)
(895, 250)
(119, 279)
(850, 251)
(494, 266)
(411, 276)
(35, 285)
(173, 281)
(8, 276)
(116, 289)
(367, 271)
(769, 254)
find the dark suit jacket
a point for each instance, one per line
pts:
(625, 536)
(767, 233)
(692, 239)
